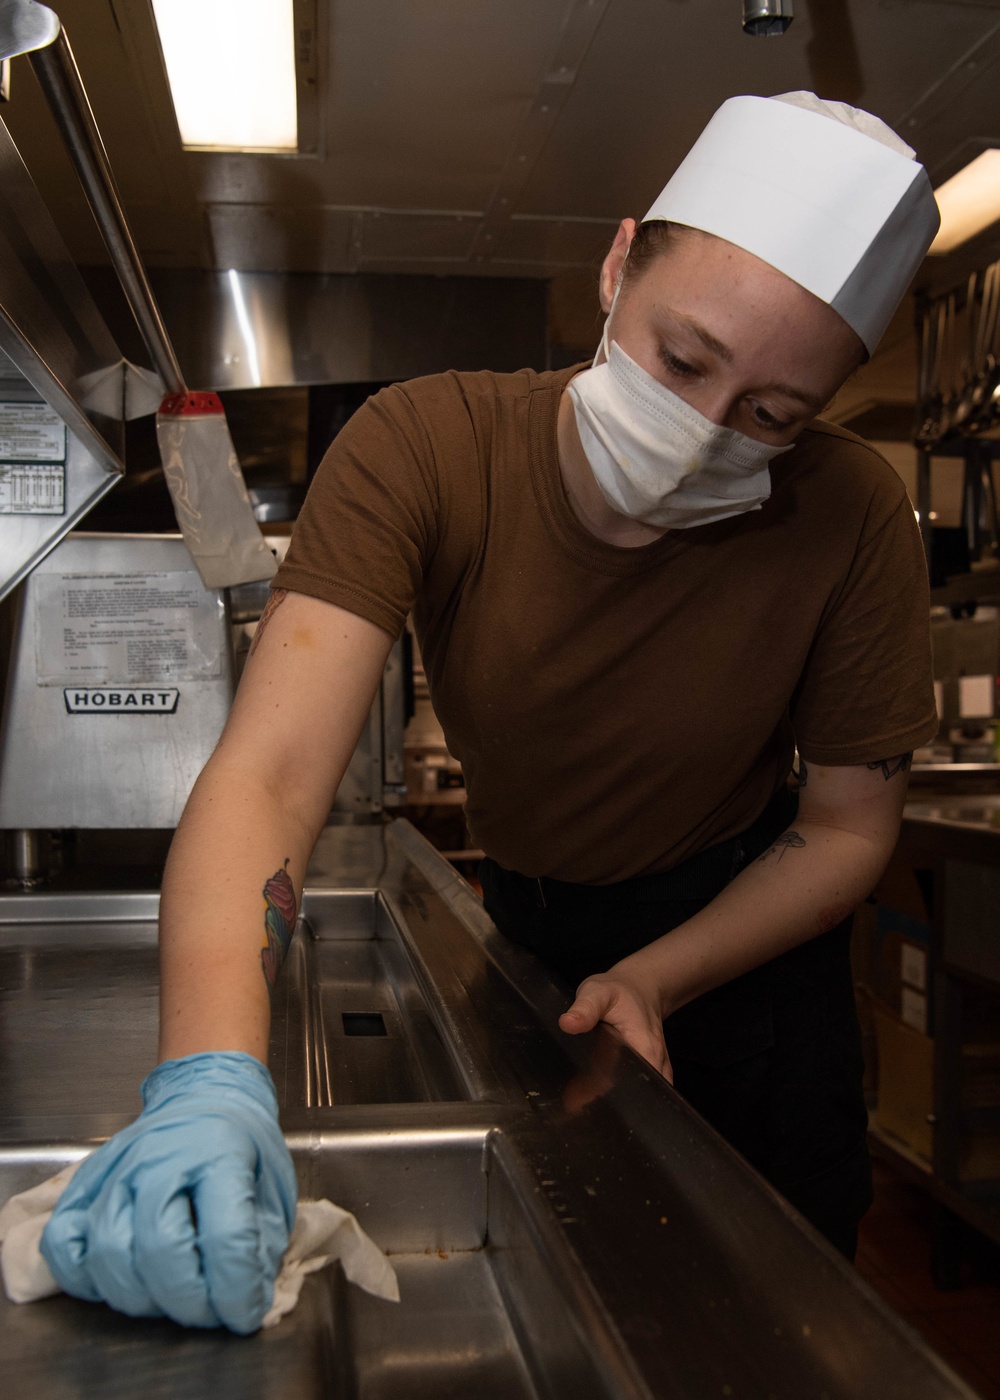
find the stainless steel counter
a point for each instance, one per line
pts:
(952, 825)
(975, 813)
(621, 1250)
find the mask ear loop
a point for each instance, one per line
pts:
(603, 352)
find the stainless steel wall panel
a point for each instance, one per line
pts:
(415, 236)
(556, 242)
(291, 238)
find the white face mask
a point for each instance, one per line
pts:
(657, 459)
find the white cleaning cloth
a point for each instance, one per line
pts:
(322, 1233)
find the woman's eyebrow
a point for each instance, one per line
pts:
(724, 353)
(706, 337)
(803, 396)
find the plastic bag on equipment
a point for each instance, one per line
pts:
(209, 494)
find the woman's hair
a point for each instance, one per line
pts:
(649, 242)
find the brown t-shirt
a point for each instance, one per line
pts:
(616, 710)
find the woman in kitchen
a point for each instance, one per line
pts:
(638, 588)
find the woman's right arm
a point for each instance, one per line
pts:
(253, 818)
(187, 1212)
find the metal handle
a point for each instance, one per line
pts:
(59, 77)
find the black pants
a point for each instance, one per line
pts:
(772, 1060)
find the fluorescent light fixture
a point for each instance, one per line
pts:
(969, 202)
(231, 67)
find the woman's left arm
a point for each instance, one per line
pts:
(807, 882)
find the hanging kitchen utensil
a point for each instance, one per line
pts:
(927, 373)
(989, 526)
(983, 359)
(979, 510)
(973, 319)
(932, 399)
(990, 402)
(954, 364)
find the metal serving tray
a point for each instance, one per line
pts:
(544, 1249)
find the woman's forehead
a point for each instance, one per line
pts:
(706, 297)
(717, 291)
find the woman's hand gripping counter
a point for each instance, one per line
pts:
(811, 878)
(187, 1212)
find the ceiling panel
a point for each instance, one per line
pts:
(420, 98)
(656, 73)
(505, 139)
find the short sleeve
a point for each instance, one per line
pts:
(867, 691)
(368, 527)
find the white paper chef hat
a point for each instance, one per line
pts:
(827, 194)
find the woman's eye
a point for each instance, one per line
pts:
(677, 366)
(768, 420)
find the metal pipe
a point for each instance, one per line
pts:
(764, 18)
(29, 858)
(59, 77)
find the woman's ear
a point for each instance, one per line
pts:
(611, 269)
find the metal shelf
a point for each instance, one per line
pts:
(980, 1210)
(945, 769)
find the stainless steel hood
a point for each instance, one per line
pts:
(246, 330)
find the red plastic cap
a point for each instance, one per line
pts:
(189, 405)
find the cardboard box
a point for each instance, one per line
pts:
(905, 1082)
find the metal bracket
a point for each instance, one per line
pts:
(26, 26)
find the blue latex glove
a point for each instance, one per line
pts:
(187, 1211)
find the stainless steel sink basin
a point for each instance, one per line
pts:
(492, 1303)
(561, 1230)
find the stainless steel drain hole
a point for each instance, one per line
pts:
(363, 1023)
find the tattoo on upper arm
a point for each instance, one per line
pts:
(787, 841)
(274, 602)
(280, 908)
(891, 766)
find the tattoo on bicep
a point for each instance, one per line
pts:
(891, 766)
(274, 602)
(787, 841)
(280, 908)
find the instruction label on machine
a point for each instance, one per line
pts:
(127, 629)
(32, 460)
